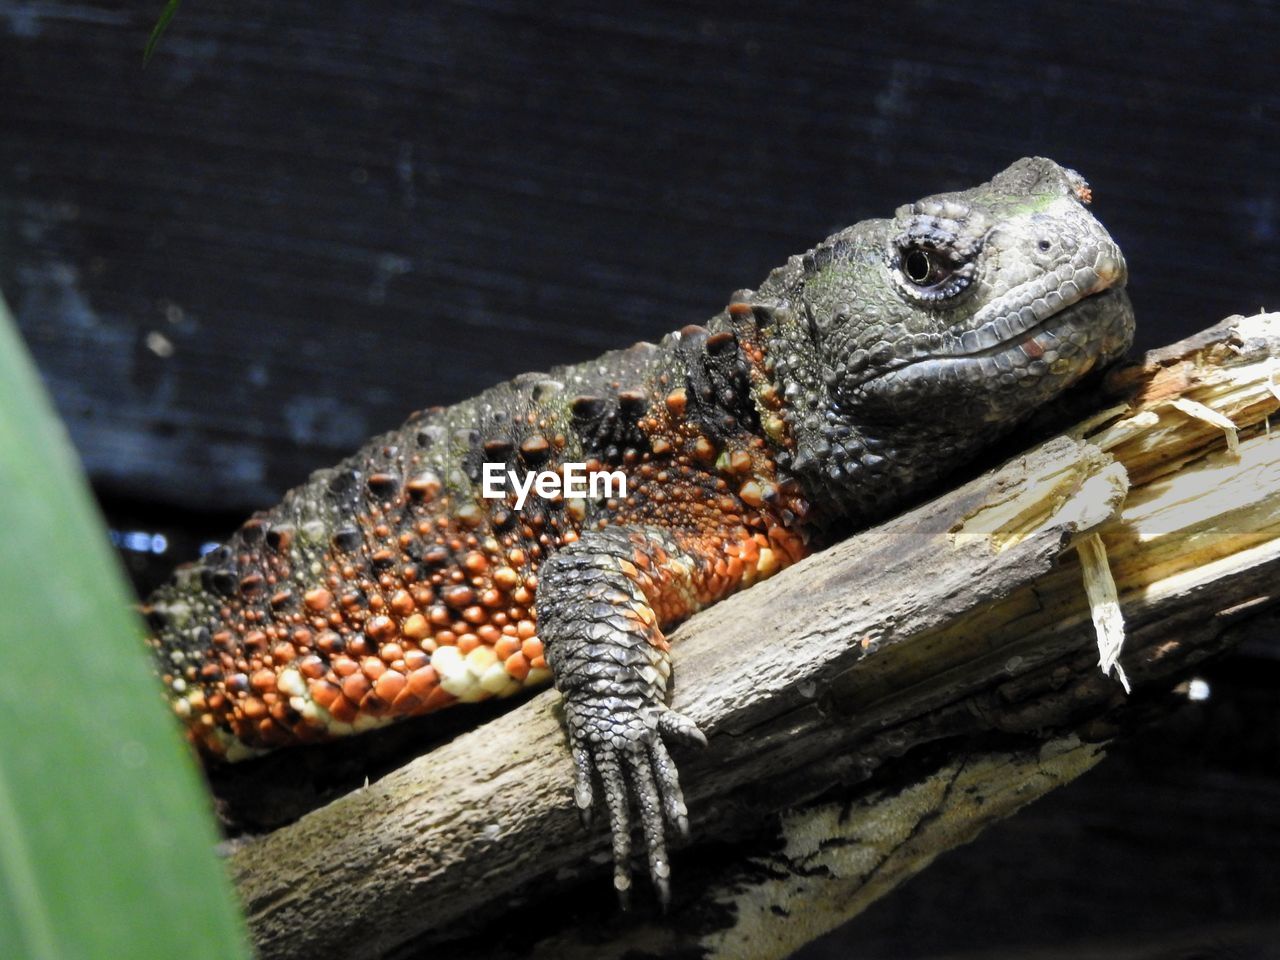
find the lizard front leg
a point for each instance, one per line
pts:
(602, 603)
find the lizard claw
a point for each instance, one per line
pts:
(583, 795)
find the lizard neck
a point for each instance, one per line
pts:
(850, 470)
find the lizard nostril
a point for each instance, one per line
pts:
(1044, 246)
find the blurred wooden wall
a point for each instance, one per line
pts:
(305, 220)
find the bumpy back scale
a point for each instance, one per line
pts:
(388, 587)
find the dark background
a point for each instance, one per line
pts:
(305, 220)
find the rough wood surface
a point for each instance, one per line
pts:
(895, 694)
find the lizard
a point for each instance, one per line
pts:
(856, 377)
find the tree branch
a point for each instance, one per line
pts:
(867, 709)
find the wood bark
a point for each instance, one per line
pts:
(867, 709)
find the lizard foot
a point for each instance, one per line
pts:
(629, 754)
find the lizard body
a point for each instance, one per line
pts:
(856, 376)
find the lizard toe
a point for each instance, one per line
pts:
(668, 778)
(650, 801)
(616, 800)
(680, 728)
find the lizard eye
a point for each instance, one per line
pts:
(933, 261)
(925, 268)
(917, 266)
(930, 273)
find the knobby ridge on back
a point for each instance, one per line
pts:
(857, 375)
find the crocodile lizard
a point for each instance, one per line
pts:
(854, 378)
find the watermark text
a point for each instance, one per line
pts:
(571, 480)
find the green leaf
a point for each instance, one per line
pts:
(106, 838)
(170, 8)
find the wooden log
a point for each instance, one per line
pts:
(866, 710)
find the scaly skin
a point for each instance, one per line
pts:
(854, 378)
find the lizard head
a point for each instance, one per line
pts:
(902, 346)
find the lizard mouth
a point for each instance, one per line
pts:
(1055, 331)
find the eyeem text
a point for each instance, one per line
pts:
(571, 480)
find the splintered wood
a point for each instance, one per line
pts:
(1204, 468)
(866, 709)
(1104, 604)
(1191, 502)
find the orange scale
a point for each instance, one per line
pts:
(406, 703)
(359, 646)
(506, 646)
(325, 693)
(538, 663)
(401, 603)
(532, 648)
(423, 680)
(343, 710)
(381, 628)
(373, 667)
(437, 699)
(263, 681)
(468, 642)
(416, 627)
(344, 666)
(516, 665)
(788, 543)
(415, 659)
(389, 685)
(355, 687)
